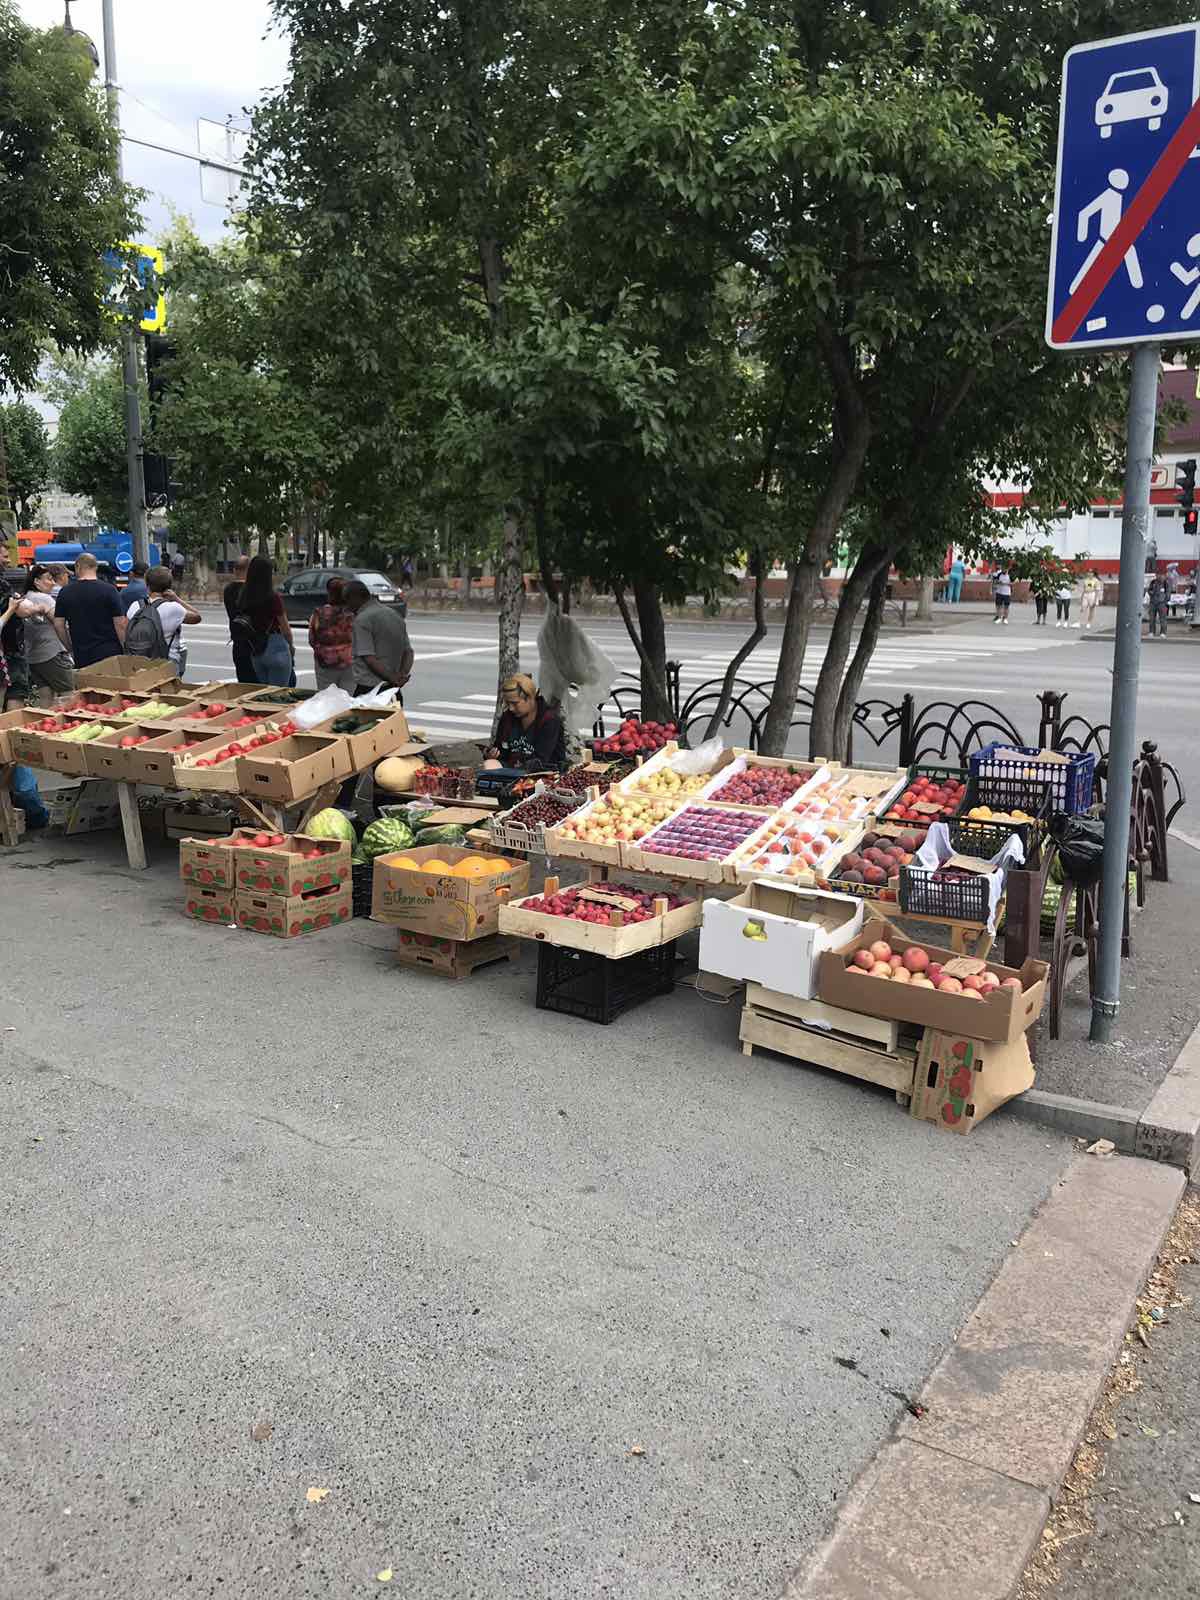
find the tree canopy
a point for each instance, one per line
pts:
(61, 203)
(26, 458)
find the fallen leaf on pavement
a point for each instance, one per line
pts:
(1151, 1433)
(315, 1496)
(385, 1576)
(1102, 1147)
(261, 1431)
(637, 1450)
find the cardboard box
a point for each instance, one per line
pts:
(215, 690)
(451, 958)
(128, 672)
(294, 767)
(180, 822)
(89, 702)
(85, 808)
(205, 864)
(208, 905)
(454, 908)
(9, 719)
(378, 734)
(287, 917)
(961, 1080)
(1005, 1014)
(282, 869)
(222, 779)
(154, 761)
(106, 759)
(772, 934)
(45, 750)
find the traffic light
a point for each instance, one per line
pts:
(1185, 482)
(1191, 521)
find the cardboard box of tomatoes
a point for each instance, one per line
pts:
(205, 864)
(289, 916)
(204, 903)
(286, 864)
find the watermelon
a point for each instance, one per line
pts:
(388, 834)
(330, 824)
(445, 835)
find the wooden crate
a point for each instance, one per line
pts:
(453, 958)
(624, 939)
(777, 1027)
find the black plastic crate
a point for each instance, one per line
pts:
(923, 894)
(1011, 793)
(598, 988)
(361, 877)
(986, 838)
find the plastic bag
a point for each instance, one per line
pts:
(691, 763)
(572, 673)
(1080, 842)
(381, 695)
(321, 706)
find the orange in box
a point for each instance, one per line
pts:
(290, 868)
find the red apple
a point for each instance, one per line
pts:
(950, 986)
(864, 959)
(916, 959)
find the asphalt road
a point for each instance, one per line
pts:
(450, 1258)
(454, 681)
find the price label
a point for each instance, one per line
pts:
(621, 902)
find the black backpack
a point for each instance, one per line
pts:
(144, 636)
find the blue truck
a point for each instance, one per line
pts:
(111, 546)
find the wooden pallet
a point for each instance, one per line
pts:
(861, 1057)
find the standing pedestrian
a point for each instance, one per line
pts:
(262, 622)
(954, 582)
(383, 657)
(243, 666)
(22, 783)
(61, 576)
(1062, 603)
(178, 568)
(1002, 591)
(50, 666)
(1090, 595)
(12, 643)
(331, 635)
(172, 615)
(88, 616)
(136, 588)
(1043, 587)
(1159, 597)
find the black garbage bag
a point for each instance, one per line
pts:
(1080, 842)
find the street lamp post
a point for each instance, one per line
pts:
(130, 367)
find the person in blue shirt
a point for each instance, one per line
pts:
(136, 588)
(954, 582)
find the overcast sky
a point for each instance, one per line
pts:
(178, 60)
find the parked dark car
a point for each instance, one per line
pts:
(304, 591)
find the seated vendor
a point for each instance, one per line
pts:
(529, 735)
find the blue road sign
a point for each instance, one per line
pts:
(123, 561)
(1125, 253)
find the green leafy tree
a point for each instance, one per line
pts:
(88, 454)
(61, 203)
(25, 452)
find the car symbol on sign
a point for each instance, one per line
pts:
(1130, 96)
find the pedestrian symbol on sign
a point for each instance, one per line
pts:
(1106, 207)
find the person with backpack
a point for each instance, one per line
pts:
(155, 626)
(261, 623)
(331, 635)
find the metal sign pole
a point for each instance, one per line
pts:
(1122, 745)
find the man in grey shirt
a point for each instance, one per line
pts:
(382, 653)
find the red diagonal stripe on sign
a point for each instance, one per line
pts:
(1137, 214)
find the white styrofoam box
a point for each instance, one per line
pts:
(773, 933)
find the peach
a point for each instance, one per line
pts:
(971, 982)
(950, 986)
(864, 959)
(901, 974)
(971, 994)
(895, 961)
(916, 959)
(881, 950)
(881, 970)
(1011, 983)
(920, 982)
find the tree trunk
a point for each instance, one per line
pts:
(867, 640)
(748, 647)
(822, 734)
(925, 600)
(510, 596)
(653, 664)
(464, 579)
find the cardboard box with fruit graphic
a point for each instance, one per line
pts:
(436, 889)
(289, 916)
(961, 1080)
(208, 904)
(451, 958)
(287, 864)
(1001, 1003)
(206, 865)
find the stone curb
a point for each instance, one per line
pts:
(1006, 1406)
(1168, 1130)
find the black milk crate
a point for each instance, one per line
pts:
(986, 838)
(361, 877)
(1023, 784)
(599, 988)
(923, 894)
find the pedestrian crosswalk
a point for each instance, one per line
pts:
(924, 661)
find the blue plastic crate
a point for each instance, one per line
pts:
(1001, 783)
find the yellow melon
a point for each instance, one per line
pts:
(435, 866)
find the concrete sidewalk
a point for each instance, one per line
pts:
(546, 1307)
